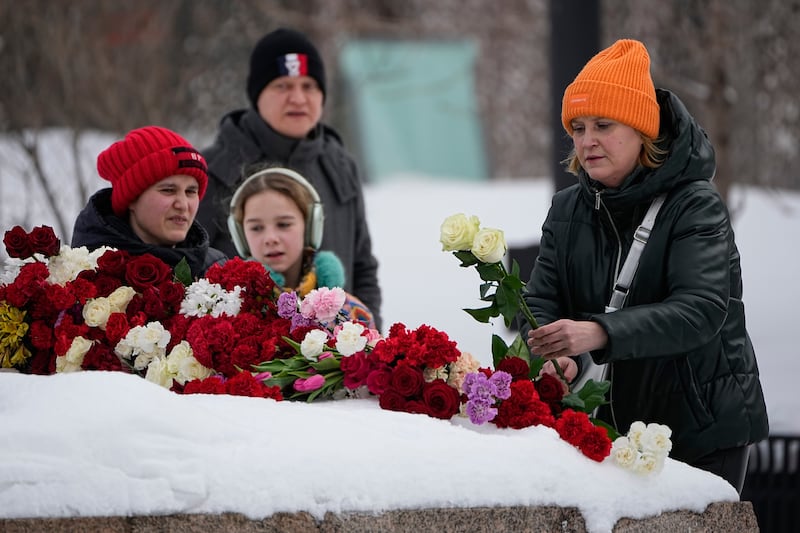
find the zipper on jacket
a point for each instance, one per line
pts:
(609, 374)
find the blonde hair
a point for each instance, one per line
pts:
(651, 156)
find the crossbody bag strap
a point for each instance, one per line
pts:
(640, 237)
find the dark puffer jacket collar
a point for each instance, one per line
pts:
(97, 226)
(691, 158)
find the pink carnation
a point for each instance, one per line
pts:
(323, 304)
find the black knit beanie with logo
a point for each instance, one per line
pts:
(283, 52)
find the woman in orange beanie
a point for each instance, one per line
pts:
(157, 180)
(675, 349)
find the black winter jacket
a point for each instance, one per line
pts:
(679, 351)
(97, 226)
(245, 139)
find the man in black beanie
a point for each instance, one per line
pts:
(286, 89)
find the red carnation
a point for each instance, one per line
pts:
(595, 444)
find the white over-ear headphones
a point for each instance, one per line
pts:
(314, 223)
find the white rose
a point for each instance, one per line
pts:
(313, 344)
(489, 245)
(73, 359)
(120, 298)
(349, 339)
(96, 312)
(458, 232)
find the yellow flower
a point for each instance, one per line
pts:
(13, 328)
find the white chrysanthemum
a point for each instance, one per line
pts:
(70, 262)
(144, 343)
(73, 359)
(120, 298)
(349, 339)
(204, 298)
(623, 453)
(96, 312)
(313, 344)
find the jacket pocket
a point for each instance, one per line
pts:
(692, 392)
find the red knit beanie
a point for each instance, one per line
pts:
(146, 156)
(615, 84)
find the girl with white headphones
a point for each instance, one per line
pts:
(276, 218)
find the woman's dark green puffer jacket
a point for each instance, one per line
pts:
(679, 351)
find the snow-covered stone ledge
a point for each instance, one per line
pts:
(723, 516)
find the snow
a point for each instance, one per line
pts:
(110, 444)
(113, 444)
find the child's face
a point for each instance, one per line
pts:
(165, 211)
(275, 229)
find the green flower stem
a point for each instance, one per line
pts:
(523, 306)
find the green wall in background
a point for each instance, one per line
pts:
(414, 109)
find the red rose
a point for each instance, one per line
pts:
(551, 389)
(407, 381)
(44, 241)
(356, 369)
(172, 294)
(391, 400)
(442, 399)
(112, 263)
(378, 380)
(17, 243)
(146, 271)
(516, 366)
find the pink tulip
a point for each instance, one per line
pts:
(309, 384)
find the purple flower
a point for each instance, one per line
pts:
(481, 411)
(287, 304)
(478, 386)
(502, 383)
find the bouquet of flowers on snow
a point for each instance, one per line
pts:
(67, 309)
(231, 332)
(644, 448)
(515, 394)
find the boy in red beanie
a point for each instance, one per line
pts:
(157, 180)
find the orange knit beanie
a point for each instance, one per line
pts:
(615, 84)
